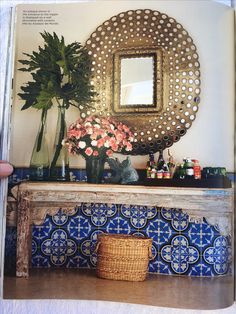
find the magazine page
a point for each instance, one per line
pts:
(122, 130)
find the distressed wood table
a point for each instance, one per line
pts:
(35, 200)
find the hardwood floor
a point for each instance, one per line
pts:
(157, 290)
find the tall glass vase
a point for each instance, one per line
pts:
(39, 162)
(59, 167)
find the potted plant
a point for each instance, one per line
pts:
(61, 75)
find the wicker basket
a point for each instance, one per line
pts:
(123, 257)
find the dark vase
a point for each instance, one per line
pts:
(95, 169)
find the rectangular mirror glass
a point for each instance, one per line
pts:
(137, 80)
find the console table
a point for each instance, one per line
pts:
(35, 200)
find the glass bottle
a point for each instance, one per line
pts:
(188, 166)
(160, 161)
(166, 171)
(196, 169)
(39, 162)
(59, 167)
(181, 172)
(150, 165)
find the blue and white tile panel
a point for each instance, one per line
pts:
(179, 246)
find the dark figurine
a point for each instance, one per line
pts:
(124, 172)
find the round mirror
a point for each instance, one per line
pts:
(147, 74)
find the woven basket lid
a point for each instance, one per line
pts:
(123, 237)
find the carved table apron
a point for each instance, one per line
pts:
(35, 200)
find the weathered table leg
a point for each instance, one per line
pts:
(23, 235)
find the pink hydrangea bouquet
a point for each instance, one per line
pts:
(98, 137)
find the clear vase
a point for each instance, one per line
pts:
(59, 167)
(95, 169)
(39, 162)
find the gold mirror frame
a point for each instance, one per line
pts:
(180, 72)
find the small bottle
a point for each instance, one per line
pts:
(160, 161)
(181, 172)
(150, 165)
(153, 173)
(171, 164)
(166, 172)
(188, 166)
(196, 169)
(159, 174)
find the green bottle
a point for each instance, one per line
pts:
(181, 172)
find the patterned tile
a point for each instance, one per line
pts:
(160, 231)
(201, 235)
(200, 269)
(87, 249)
(74, 175)
(40, 261)
(164, 267)
(178, 219)
(138, 215)
(58, 247)
(60, 218)
(119, 225)
(79, 227)
(42, 232)
(218, 255)
(153, 263)
(99, 214)
(180, 254)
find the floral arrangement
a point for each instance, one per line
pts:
(98, 137)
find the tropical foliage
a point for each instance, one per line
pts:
(59, 72)
(61, 75)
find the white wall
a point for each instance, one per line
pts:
(210, 138)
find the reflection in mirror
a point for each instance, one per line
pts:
(137, 84)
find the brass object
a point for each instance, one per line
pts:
(176, 74)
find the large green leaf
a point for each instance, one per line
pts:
(58, 71)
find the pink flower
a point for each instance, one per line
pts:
(89, 130)
(106, 143)
(119, 136)
(100, 142)
(89, 119)
(113, 144)
(88, 151)
(114, 147)
(128, 147)
(75, 133)
(94, 135)
(109, 152)
(125, 128)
